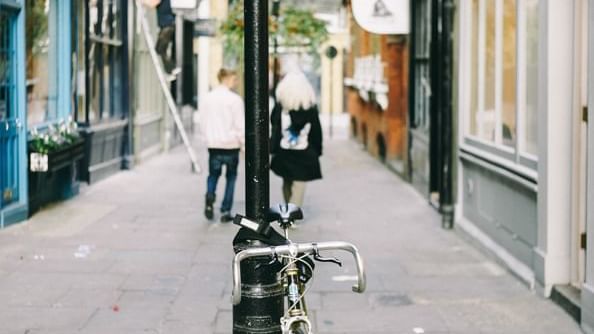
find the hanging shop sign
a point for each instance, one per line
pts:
(385, 17)
(205, 27)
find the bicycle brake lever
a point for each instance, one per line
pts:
(317, 257)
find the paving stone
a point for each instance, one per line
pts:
(151, 263)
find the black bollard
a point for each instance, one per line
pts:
(262, 303)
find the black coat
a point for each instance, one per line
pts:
(296, 144)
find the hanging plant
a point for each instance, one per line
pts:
(296, 28)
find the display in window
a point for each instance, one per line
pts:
(40, 83)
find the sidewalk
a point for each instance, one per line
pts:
(133, 254)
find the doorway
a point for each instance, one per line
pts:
(11, 121)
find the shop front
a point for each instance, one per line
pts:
(54, 145)
(13, 127)
(101, 88)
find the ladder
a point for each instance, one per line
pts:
(164, 86)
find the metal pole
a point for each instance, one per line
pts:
(179, 56)
(331, 53)
(275, 65)
(261, 309)
(256, 118)
(331, 97)
(446, 197)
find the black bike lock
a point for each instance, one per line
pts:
(262, 303)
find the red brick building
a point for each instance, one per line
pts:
(381, 127)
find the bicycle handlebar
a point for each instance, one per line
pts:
(294, 249)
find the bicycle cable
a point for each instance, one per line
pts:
(294, 260)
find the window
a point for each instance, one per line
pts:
(104, 62)
(529, 143)
(41, 63)
(6, 55)
(501, 96)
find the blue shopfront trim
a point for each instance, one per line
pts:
(18, 211)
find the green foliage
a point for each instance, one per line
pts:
(296, 28)
(56, 137)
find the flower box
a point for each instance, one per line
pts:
(58, 178)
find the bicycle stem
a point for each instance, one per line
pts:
(293, 249)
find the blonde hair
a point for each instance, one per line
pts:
(294, 92)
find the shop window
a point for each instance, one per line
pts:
(104, 62)
(501, 115)
(529, 140)
(41, 63)
(6, 55)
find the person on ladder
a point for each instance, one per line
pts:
(166, 22)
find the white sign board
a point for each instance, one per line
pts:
(184, 4)
(384, 17)
(39, 162)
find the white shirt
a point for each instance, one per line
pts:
(221, 115)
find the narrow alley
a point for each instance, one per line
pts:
(134, 254)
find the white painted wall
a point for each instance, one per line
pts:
(588, 287)
(552, 254)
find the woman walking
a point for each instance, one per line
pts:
(296, 142)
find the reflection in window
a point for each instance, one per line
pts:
(41, 81)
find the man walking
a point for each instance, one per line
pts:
(222, 125)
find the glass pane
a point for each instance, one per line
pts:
(486, 117)
(482, 101)
(474, 68)
(41, 85)
(532, 26)
(95, 57)
(5, 57)
(105, 60)
(78, 61)
(508, 106)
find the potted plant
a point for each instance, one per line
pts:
(54, 156)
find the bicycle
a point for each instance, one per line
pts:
(296, 264)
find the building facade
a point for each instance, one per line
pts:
(69, 111)
(523, 88)
(376, 95)
(13, 125)
(102, 87)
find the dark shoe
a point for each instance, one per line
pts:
(226, 217)
(208, 209)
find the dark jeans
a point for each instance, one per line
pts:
(218, 158)
(166, 36)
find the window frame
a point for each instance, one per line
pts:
(60, 43)
(513, 157)
(103, 50)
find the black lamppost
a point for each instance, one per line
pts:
(275, 64)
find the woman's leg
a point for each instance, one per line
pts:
(297, 193)
(287, 190)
